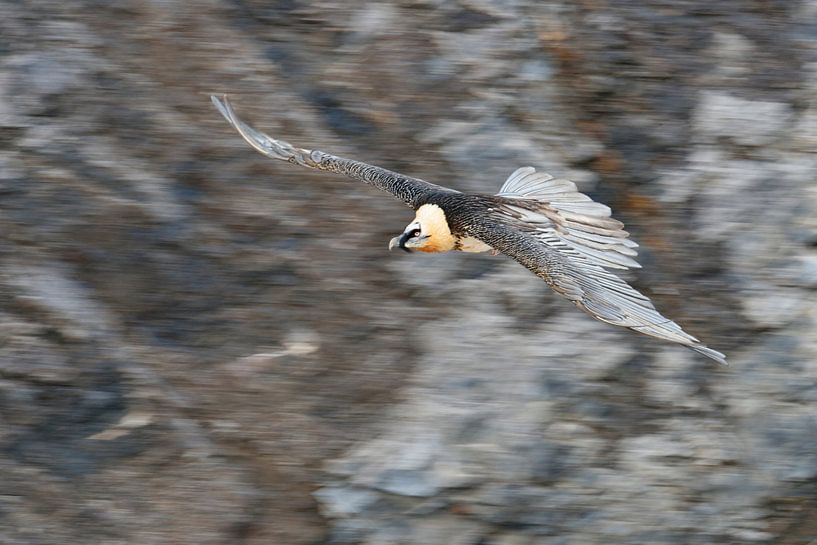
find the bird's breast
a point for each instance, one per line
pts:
(471, 245)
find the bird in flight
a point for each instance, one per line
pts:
(544, 223)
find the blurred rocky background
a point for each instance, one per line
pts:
(199, 345)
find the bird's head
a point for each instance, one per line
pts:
(412, 238)
(428, 232)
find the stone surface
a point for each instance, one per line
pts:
(744, 122)
(199, 345)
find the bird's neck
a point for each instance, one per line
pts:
(435, 225)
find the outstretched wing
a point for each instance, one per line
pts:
(570, 241)
(409, 190)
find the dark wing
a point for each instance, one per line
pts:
(570, 241)
(410, 190)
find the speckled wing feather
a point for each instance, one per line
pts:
(546, 225)
(409, 190)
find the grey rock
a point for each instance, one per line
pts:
(773, 307)
(406, 482)
(30, 83)
(806, 275)
(783, 440)
(344, 502)
(744, 122)
(456, 530)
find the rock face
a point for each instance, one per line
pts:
(199, 345)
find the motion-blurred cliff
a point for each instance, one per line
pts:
(200, 345)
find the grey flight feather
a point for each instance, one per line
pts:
(544, 223)
(554, 208)
(409, 190)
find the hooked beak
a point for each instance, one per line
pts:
(399, 242)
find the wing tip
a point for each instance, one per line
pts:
(710, 353)
(223, 106)
(263, 143)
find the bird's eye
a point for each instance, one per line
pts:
(415, 233)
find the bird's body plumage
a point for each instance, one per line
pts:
(545, 224)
